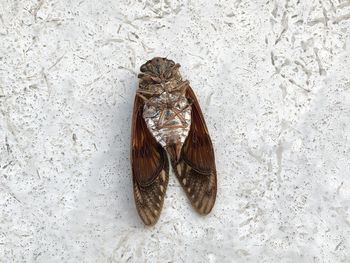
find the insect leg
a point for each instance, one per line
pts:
(183, 87)
(141, 96)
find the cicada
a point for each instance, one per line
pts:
(167, 123)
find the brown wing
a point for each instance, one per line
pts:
(196, 166)
(150, 168)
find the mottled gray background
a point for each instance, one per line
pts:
(273, 79)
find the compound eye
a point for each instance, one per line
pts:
(171, 63)
(143, 68)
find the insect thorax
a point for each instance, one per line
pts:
(168, 117)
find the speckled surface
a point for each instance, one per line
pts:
(273, 79)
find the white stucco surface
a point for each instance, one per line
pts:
(273, 79)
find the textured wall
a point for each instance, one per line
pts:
(273, 79)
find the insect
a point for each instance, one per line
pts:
(167, 121)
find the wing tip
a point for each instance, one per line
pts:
(148, 218)
(205, 205)
(201, 198)
(150, 212)
(149, 202)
